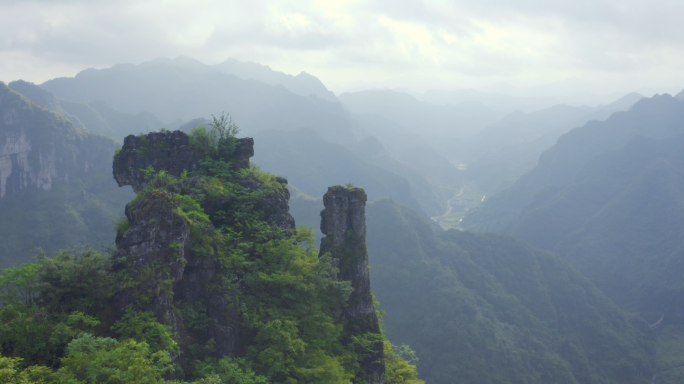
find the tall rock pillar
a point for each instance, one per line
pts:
(343, 221)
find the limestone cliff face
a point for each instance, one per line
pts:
(343, 221)
(39, 148)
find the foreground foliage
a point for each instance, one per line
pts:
(57, 325)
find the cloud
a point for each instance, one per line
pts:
(345, 40)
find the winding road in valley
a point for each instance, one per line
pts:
(449, 207)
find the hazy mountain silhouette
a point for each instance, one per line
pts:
(312, 164)
(509, 148)
(171, 92)
(620, 221)
(302, 84)
(430, 120)
(499, 102)
(95, 116)
(656, 117)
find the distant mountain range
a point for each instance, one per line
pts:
(430, 120)
(507, 149)
(95, 116)
(608, 197)
(657, 117)
(186, 89)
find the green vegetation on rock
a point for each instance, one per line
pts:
(62, 318)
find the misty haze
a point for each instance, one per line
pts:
(343, 191)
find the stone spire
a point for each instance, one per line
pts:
(343, 221)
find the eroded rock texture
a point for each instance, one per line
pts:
(165, 273)
(343, 221)
(169, 151)
(152, 256)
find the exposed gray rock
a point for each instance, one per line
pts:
(156, 253)
(151, 256)
(169, 151)
(343, 221)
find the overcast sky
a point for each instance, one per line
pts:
(610, 44)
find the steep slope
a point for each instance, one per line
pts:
(171, 92)
(656, 117)
(55, 184)
(95, 123)
(619, 221)
(486, 308)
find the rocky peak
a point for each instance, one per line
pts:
(343, 221)
(162, 265)
(169, 151)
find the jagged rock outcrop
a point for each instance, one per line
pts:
(343, 221)
(162, 268)
(151, 257)
(169, 151)
(174, 264)
(38, 148)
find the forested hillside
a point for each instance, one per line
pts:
(619, 221)
(607, 198)
(486, 308)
